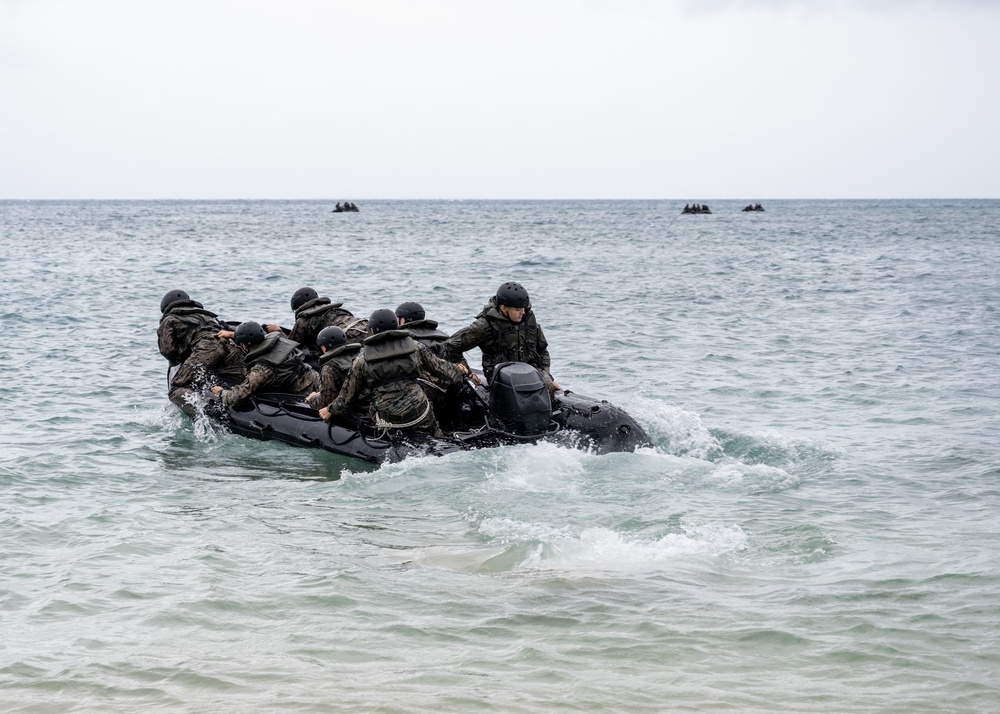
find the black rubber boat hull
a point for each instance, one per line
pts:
(577, 421)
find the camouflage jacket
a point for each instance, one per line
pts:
(335, 365)
(275, 363)
(501, 340)
(181, 326)
(212, 355)
(260, 377)
(316, 314)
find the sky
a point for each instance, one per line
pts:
(467, 99)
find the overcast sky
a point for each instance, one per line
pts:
(702, 99)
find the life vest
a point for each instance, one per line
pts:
(356, 328)
(283, 356)
(390, 360)
(316, 307)
(426, 332)
(342, 357)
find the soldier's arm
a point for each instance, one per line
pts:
(260, 376)
(466, 339)
(437, 367)
(329, 386)
(166, 342)
(298, 331)
(349, 392)
(319, 397)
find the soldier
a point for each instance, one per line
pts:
(276, 364)
(313, 313)
(412, 318)
(338, 354)
(388, 367)
(188, 336)
(505, 331)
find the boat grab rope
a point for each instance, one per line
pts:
(385, 426)
(281, 410)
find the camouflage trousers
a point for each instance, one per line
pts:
(404, 406)
(211, 356)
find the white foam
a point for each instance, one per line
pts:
(680, 432)
(756, 478)
(606, 548)
(165, 416)
(537, 468)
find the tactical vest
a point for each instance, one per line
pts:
(283, 356)
(390, 358)
(512, 341)
(194, 322)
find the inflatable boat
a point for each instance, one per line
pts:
(514, 409)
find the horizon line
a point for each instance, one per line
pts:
(508, 200)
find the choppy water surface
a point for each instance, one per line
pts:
(816, 529)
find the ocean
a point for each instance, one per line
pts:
(816, 529)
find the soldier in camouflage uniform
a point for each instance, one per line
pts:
(505, 331)
(188, 335)
(413, 319)
(388, 367)
(313, 313)
(276, 365)
(338, 354)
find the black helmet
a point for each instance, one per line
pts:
(382, 320)
(411, 311)
(171, 297)
(513, 295)
(331, 337)
(302, 296)
(249, 333)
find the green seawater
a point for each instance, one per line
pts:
(815, 529)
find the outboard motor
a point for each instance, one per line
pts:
(519, 399)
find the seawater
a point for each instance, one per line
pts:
(816, 528)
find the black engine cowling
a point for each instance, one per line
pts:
(519, 399)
